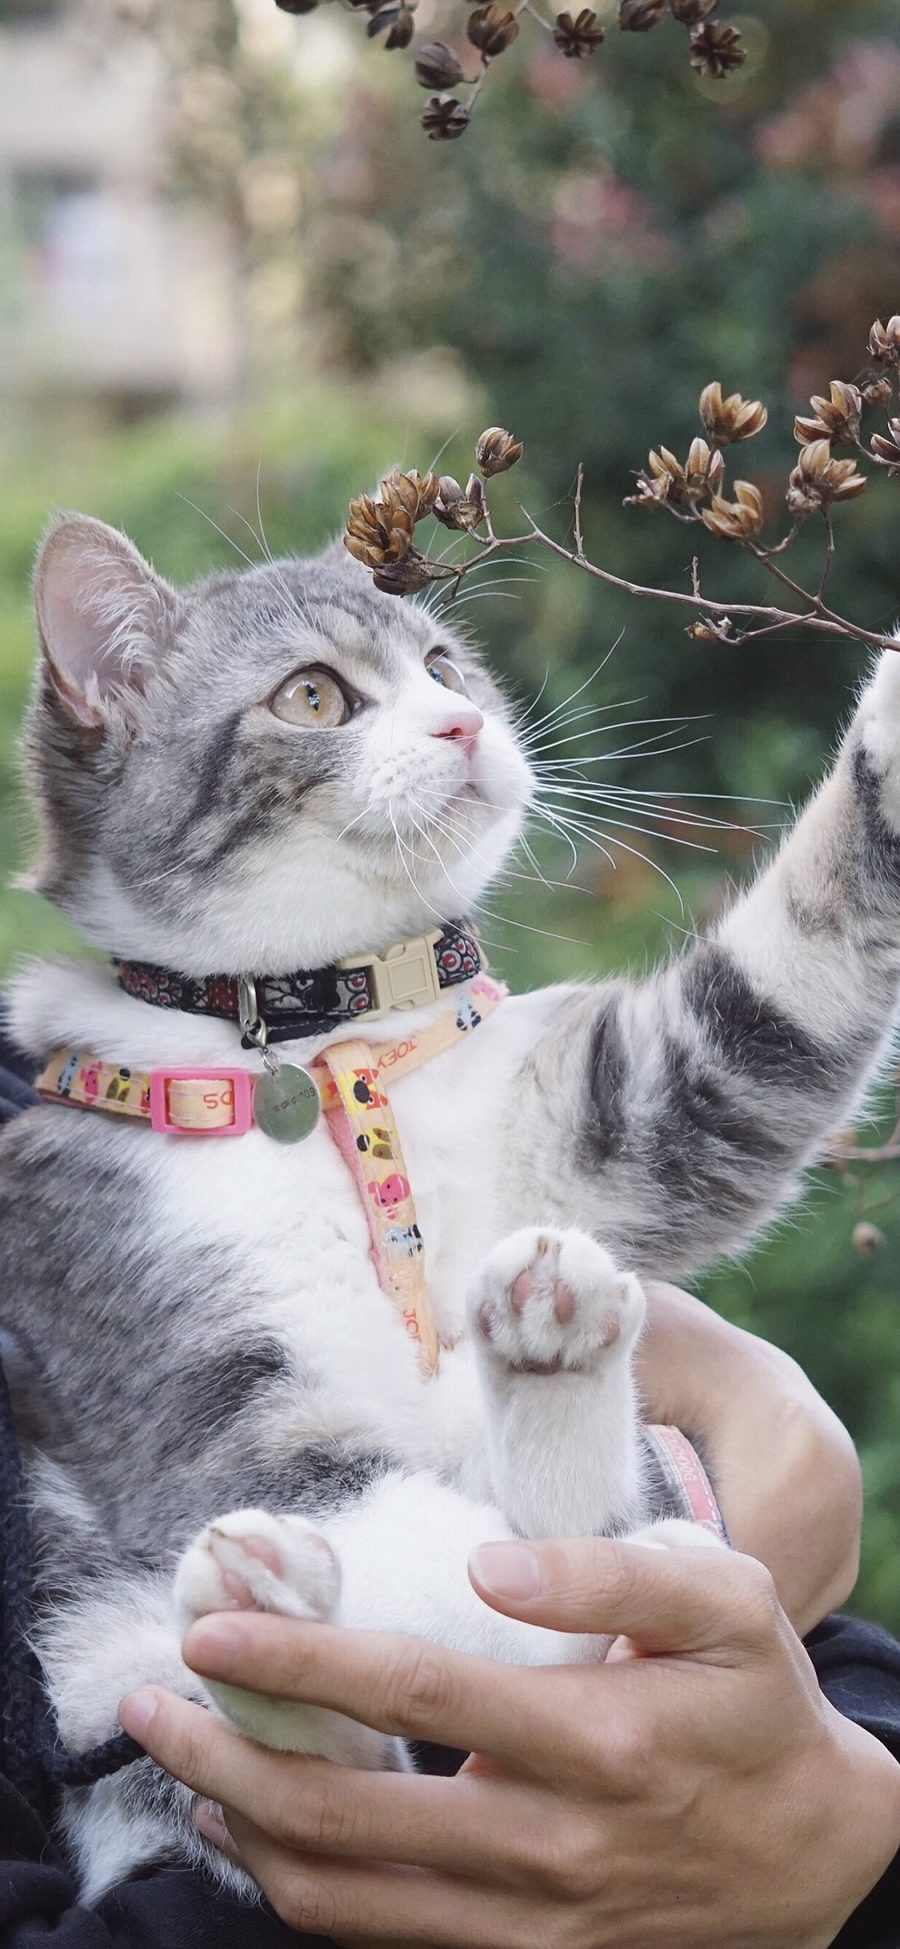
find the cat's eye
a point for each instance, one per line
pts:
(313, 699)
(442, 668)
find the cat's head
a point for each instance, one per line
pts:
(270, 769)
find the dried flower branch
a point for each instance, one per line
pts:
(381, 532)
(714, 47)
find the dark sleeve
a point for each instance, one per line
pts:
(16, 1073)
(858, 1669)
(169, 1908)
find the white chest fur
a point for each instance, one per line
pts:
(292, 1214)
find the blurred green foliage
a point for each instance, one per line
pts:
(607, 237)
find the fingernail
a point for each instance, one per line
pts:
(507, 1569)
(209, 1821)
(212, 1645)
(137, 1713)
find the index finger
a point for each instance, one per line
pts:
(516, 1714)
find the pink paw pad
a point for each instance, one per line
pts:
(253, 1546)
(521, 1291)
(564, 1302)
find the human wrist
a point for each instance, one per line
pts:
(859, 1781)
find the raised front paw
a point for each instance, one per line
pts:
(548, 1301)
(249, 1560)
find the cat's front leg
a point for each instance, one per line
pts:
(680, 1110)
(555, 1324)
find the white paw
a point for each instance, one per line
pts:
(249, 1560)
(677, 1533)
(549, 1301)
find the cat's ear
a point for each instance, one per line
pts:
(106, 619)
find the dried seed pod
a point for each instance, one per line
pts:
(818, 480)
(704, 632)
(884, 341)
(639, 16)
(492, 29)
(867, 1239)
(415, 492)
(444, 119)
(496, 451)
(737, 520)
(733, 418)
(691, 12)
(887, 446)
(836, 418)
(474, 501)
(578, 35)
(878, 390)
(437, 66)
(395, 22)
(704, 468)
(404, 577)
(716, 49)
(460, 507)
(662, 480)
(380, 527)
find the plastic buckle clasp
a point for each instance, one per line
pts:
(405, 977)
(241, 1085)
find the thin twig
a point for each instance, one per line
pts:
(829, 555)
(579, 495)
(814, 617)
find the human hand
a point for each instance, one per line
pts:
(695, 1791)
(784, 1468)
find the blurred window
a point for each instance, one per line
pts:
(70, 231)
(33, 13)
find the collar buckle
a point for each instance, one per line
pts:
(405, 977)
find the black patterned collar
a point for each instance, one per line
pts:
(312, 1000)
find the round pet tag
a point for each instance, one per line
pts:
(286, 1105)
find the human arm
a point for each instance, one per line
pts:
(785, 1469)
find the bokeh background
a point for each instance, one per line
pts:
(236, 281)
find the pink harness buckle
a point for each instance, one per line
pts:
(241, 1101)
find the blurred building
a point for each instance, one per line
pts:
(109, 285)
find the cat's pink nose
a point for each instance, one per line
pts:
(463, 724)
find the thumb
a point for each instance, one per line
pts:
(661, 1599)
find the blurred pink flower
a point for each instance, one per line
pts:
(555, 83)
(597, 219)
(836, 122)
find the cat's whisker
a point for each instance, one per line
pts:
(574, 694)
(592, 710)
(625, 848)
(724, 798)
(646, 747)
(620, 799)
(561, 829)
(353, 822)
(441, 862)
(527, 879)
(519, 717)
(214, 524)
(296, 607)
(442, 450)
(622, 724)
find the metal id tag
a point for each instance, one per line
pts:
(286, 1103)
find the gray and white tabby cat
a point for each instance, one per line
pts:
(198, 1327)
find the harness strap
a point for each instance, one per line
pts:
(364, 1127)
